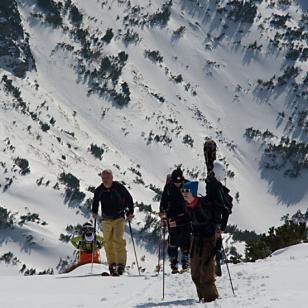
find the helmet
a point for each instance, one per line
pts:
(87, 228)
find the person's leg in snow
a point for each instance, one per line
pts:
(203, 268)
(119, 245)
(184, 238)
(195, 267)
(107, 227)
(218, 257)
(115, 245)
(173, 250)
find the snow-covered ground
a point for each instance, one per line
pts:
(224, 74)
(276, 282)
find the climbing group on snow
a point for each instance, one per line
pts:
(194, 225)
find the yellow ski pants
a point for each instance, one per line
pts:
(115, 244)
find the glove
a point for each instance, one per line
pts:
(218, 234)
(161, 214)
(163, 222)
(130, 216)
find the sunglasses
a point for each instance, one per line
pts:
(87, 231)
(185, 190)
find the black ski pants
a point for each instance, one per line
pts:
(179, 238)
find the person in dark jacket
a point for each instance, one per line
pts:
(173, 214)
(219, 194)
(115, 201)
(206, 218)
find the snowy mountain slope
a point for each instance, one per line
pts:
(275, 282)
(207, 80)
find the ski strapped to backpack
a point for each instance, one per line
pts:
(216, 190)
(209, 150)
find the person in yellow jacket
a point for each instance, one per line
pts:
(88, 245)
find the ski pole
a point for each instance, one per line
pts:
(131, 234)
(158, 261)
(93, 245)
(164, 251)
(226, 261)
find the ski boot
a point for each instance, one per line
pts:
(185, 263)
(174, 267)
(113, 270)
(120, 269)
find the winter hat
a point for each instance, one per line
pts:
(192, 186)
(177, 176)
(220, 171)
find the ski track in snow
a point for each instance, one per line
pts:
(276, 282)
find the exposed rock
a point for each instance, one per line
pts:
(15, 52)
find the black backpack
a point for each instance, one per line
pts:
(215, 190)
(219, 194)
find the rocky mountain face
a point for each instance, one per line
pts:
(15, 51)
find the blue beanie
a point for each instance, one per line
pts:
(193, 186)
